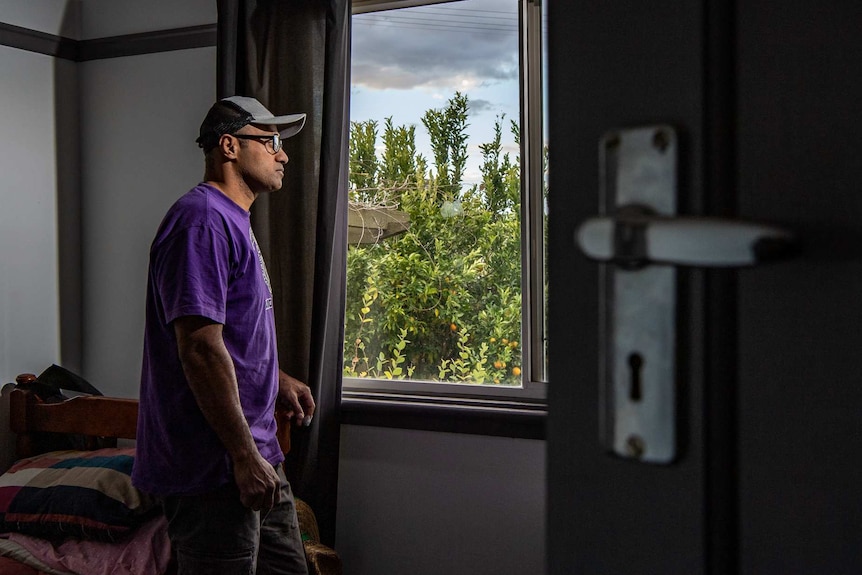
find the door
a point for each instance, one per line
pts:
(766, 476)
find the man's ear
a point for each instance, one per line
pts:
(228, 146)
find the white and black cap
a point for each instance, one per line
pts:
(230, 114)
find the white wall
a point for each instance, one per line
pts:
(39, 165)
(57, 17)
(29, 292)
(105, 18)
(140, 116)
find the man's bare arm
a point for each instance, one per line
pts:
(209, 369)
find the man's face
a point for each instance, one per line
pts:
(261, 169)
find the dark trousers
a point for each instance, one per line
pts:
(214, 534)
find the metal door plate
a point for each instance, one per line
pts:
(638, 306)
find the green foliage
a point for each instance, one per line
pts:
(399, 157)
(441, 301)
(448, 131)
(363, 159)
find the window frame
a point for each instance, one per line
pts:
(484, 409)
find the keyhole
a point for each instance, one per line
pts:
(636, 362)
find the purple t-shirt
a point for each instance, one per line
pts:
(204, 261)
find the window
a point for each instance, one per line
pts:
(446, 285)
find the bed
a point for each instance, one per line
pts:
(67, 505)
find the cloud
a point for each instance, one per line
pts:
(477, 106)
(454, 46)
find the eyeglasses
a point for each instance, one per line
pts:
(271, 141)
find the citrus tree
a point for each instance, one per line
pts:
(441, 301)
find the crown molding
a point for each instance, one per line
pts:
(111, 47)
(39, 42)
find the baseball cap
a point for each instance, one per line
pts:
(230, 114)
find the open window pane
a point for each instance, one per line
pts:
(435, 264)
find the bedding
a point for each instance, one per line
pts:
(12, 567)
(77, 512)
(146, 551)
(15, 560)
(80, 494)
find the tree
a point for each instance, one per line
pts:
(448, 131)
(363, 159)
(443, 300)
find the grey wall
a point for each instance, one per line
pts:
(29, 284)
(29, 293)
(105, 18)
(139, 116)
(409, 501)
(427, 503)
(57, 17)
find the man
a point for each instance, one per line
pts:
(210, 380)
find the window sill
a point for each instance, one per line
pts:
(502, 417)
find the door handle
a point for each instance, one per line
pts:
(638, 241)
(636, 236)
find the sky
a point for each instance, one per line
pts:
(407, 61)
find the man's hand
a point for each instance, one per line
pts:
(258, 483)
(295, 398)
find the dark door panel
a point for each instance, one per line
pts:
(612, 66)
(765, 99)
(800, 136)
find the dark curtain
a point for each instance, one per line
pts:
(293, 56)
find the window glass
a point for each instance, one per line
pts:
(435, 265)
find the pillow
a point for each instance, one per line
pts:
(83, 494)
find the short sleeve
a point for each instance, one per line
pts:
(190, 272)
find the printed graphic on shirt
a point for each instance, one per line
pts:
(262, 267)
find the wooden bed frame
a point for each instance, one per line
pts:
(30, 419)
